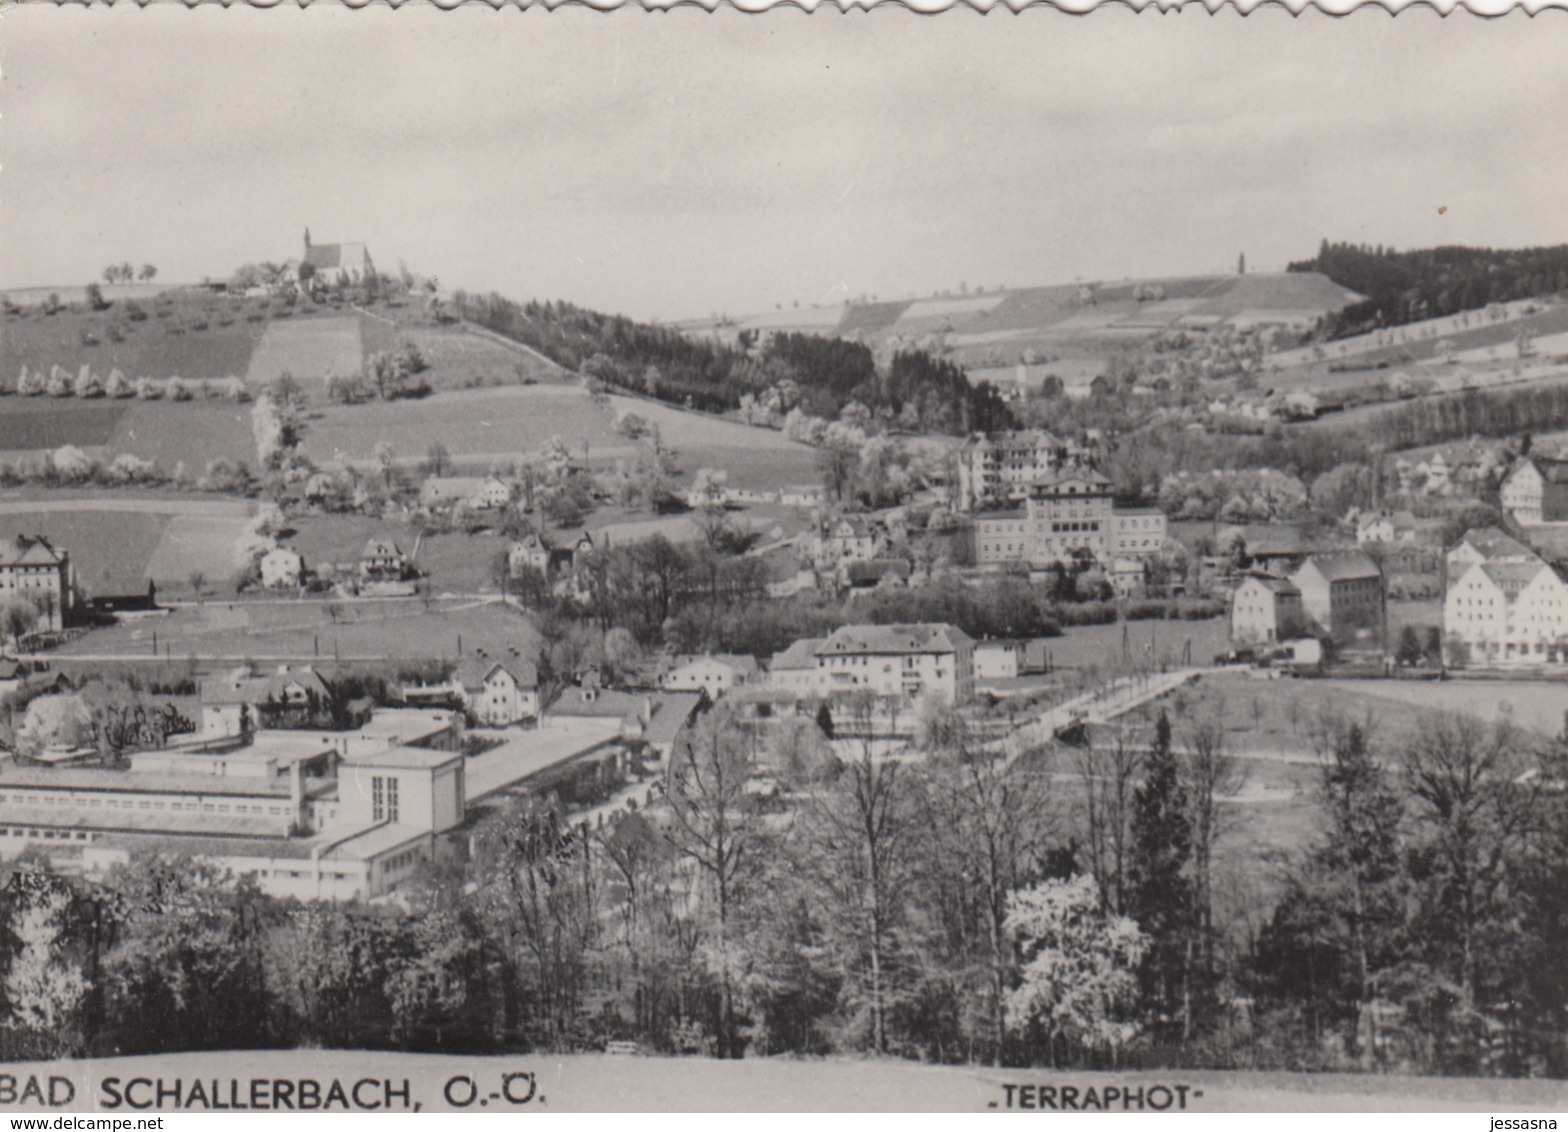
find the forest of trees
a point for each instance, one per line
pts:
(914, 389)
(1071, 909)
(1403, 287)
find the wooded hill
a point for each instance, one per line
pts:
(1404, 287)
(913, 389)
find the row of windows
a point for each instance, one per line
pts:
(48, 834)
(383, 798)
(85, 801)
(404, 860)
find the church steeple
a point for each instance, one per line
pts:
(307, 239)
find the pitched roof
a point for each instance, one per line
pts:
(671, 712)
(1344, 565)
(801, 654)
(1494, 543)
(239, 687)
(447, 489)
(1552, 469)
(34, 551)
(1511, 577)
(740, 662)
(897, 639)
(1280, 586)
(332, 256)
(472, 672)
(381, 547)
(603, 703)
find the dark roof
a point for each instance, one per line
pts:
(323, 255)
(877, 569)
(1344, 565)
(242, 688)
(34, 551)
(1494, 543)
(1511, 577)
(472, 672)
(1552, 470)
(880, 639)
(1275, 585)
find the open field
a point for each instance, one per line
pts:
(33, 424)
(1161, 643)
(124, 540)
(1537, 705)
(106, 547)
(184, 336)
(389, 628)
(610, 1083)
(993, 328)
(311, 349)
(478, 426)
(501, 425)
(170, 432)
(464, 358)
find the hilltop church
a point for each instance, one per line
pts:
(349, 262)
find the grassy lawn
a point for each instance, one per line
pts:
(128, 537)
(462, 360)
(480, 426)
(104, 545)
(1162, 643)
(171, 432)
(388, 629)
(30, 424)
(312, 349)
(183, 335)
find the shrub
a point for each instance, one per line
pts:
(135, 312)
(1147, 611)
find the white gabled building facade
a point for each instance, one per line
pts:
(1508, 612)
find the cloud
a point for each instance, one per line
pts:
(685, 162)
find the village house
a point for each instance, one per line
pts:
(1342, 594)
(1484, 544)
(382, 560)
(282, 568)
(713, 674)
(794, 671)
(1535, 491)
(529, 551)
(465, 493)
(846, 539)
(1004, 467)
(1265, 609)
(918, 662)
(1380, 526)
(33, 571)
(999, 660)
(801, 495)
(1508, 612)
(239, 702)
(499, 692)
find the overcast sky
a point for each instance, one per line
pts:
(672, 165)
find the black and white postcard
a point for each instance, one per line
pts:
(570, 560)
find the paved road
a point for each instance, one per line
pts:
(1095, 706)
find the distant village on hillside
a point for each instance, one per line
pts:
(570, 639)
